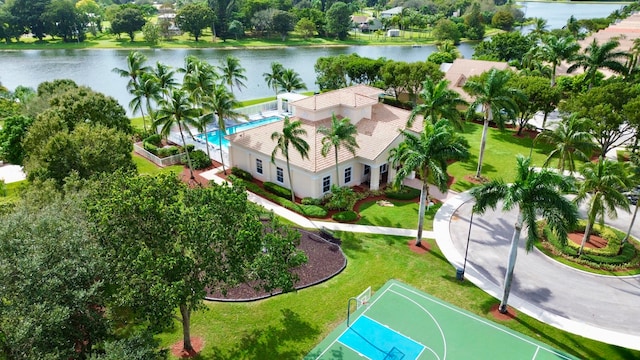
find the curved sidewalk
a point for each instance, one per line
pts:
(598, 307)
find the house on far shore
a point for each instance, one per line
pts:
(365, 23)
(462, 69)
(391, 12)
(378, 132)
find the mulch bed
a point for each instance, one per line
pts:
(510, 315)
(423, 248)
(196, 342)
(595, 241)
(325, 260)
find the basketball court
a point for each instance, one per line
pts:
(401, 322)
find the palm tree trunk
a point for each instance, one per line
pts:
(553, 74)
(293, 195)
(587, 234)
(186, 152)
(144, 121)
(337, 168)
(220, 133)
(633, 220)
(483, 141)
(513, 253)
(424, 197)
(186, 328)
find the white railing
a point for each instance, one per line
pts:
(258, 108)
(214, 151)
(166, 161)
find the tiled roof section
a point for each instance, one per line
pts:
(462, 69)
(354, 96)
(373, 138)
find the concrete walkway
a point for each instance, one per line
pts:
(597, 307)
(603, 308)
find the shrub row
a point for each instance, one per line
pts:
(154, 139)
(244, 175)
(199, 159)
(345, 216)
(403, 193)
(161, 152)
(277, 190)
(307, 210)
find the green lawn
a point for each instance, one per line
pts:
(288, 326)
(146, 167)
(403, 214)
(499, 155)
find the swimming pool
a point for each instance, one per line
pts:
(214, 136)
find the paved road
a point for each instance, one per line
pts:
(600, 307)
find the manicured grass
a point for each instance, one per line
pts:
(146, 167)
(403, 214)
(575, 265)
(499, 155)
(14, 189)
(289, 326)
(256, 101)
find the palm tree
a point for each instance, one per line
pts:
(290, 81)
(341, 133)
(603, 186)
(135, 67)
(492, 92)
(438, 102)
(233, 73)
(272, 78)
(165, 79)
(177, 110)
(539, 27)
(292, 134)
(450, 48)
(428, 155)
(596, 57)
(556, 49)
(222, 103)
(534, 193)
(199, 79)
(149, 90)
(571, 140)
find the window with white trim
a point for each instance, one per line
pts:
(347, 175)
(259, 166)
(367, 169)
(384, 168)
(280, 175)
(326, 184)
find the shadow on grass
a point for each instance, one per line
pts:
(351, 243)
(271, 342)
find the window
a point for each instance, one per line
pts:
(326, 184)
(367, 169)
(383, 168)
(259, 166)
(279, 175)
(347, 175)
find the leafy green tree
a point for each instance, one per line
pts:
(539, 95)
(503, 20)
(12, 134)
(504, 47)
(602, 187)
(283, 22)
(306, 28)
(571, 141)
(493, 93)
(338, 20)
(177, 110)
(438, 102)
(428, 155)
(290, 81)
(412, 77)
(446, 29)
(151, 33)
(236, 28)
(361, 70)
(63, 20)
(596, 57)
(331, 72)
(223, 10)
(534, 193)
(53, 281)
(28, 15)
(273, 78)
(222, 103)
(233, 73)
(475, 23)
(292, 134)
(9, 27)
(168, 251)
(193, 18)
(556, 49)
(342, 133)
(128, 20)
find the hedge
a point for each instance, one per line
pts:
(403, 193)
(277, 189)
(244, 175)
(345, 216)
(154, 139)
(199, 159)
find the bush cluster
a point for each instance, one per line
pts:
(402, 193)
(153, 145)
(345, 216)
(244, 175)
(154, 139)
(277, 190)
(199, 159)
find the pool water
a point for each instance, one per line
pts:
(214, 136)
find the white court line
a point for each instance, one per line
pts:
(536, 353)
(401, 334)
(485, 322)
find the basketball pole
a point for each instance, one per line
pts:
(466, 251)
(349, 308)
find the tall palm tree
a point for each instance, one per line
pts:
(233, 73)
(165, 78)
(603, 185)
(222, 103)
(428, 155)
(341, 133)
(556, 49)
(272, 78)
(571, 140)
(199, 80)
(438, 102)
(450, 48)
(135, 67)
(177, 111)
(534, 193)
(492, 92)
(149, 91)
(290, 81)
(292, 134)
(539, 27)
(596, 57)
